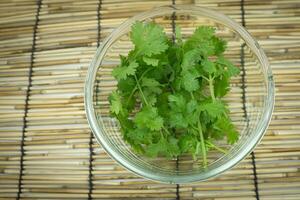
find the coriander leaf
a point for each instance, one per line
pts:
(177, 120)
(162, 106)
(150, 82)
(148, 38)
(182, 114)
(122, 72)
(225, 125)
(124, 60)
(187, 143)
(149, 118)
(177, 84)
(190, 83)
(201, 38)
(208, 66)
(125, 123)
(151, 97)
(127, 90)
(128, 136)
(215, 132)
(213, 109)
(126, 86)
(177, 102)
(189, 80)
(158, 73)
(219, 45)
(228, 66)
(190, 58)
(207, 48)
(151, 85)
(154, 149)
(168, 148)
(203, 32)
(115, 103)
(172, 147)
(151, 61)
(192, 114)
(178, 106)
(141, 135)
(221, 86)
(192, 106)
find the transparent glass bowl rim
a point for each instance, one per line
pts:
(160, 11)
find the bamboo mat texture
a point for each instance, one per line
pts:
(47, 150)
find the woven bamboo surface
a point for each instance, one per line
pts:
(46, 147)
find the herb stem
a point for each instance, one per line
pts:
(145, 100)
(131, 94)
(134, 89)
(161, 134)
(192, 95)
(216, 147)
(166, 130)
(203, 148)
(140, 89)
(211, 88)
(202, 142)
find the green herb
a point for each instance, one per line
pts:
(168, 100)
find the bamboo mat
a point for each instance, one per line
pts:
(46, 148)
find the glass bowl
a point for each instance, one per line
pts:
(250, 100)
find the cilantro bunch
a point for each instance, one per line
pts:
(169, 94)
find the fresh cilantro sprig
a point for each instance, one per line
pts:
(169, 95)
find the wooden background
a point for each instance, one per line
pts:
(46, 148)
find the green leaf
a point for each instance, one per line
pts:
(187, 143)
(225, 125)
(162, 106)
(126, 86)
(141, 135)
(172, 147)
(221, 86)
(190, 58)
(177, 120)
(167, 147)
(115, 103)
(189, 80)
(208, 66)
(201, 38)
(149, 118)
(192, 112)
(158, 73)
(228, 66)
(148, 38)
(125, 122)
(122, 72)
(154, 149)
(213, 109)
(178, 106)
(182, 114)
(203, 33)
(151, 61)
(219, 45)
(151, 97)
(151, 85)
(150, 82)
(192, 106)
(177, 102)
